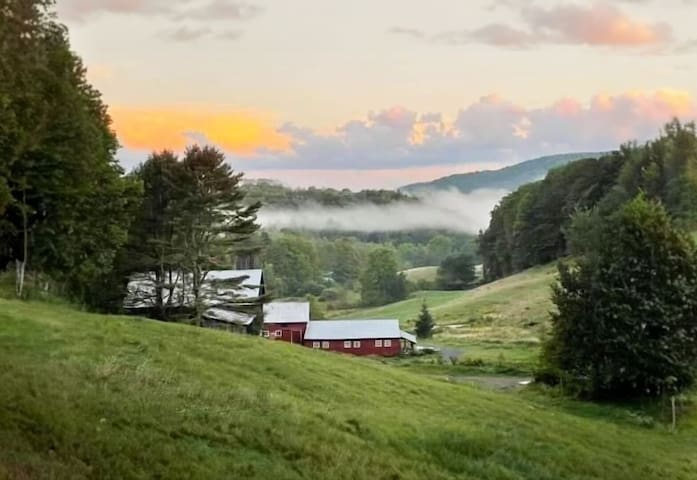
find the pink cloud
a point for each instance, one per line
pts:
(593, 24)
(396, 146)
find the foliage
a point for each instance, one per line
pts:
(274, 194)
(425, 322)
(456, 272)
(627, 319)
(295, 265)
(192, 220)
(381, 282)
(528, 226)
(66, 206)
(317, 309)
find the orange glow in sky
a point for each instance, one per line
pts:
(174, 128)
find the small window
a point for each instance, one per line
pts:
(278, 333)
(265, 333)
(388, 343)
(325, 345)
(315, 344)
(347, 344)
(378, 343)
(356, 344)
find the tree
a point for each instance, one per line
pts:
(154, 243)
(424, 323)
(347, 261)
(66, 205)
(381, 283)
(456, 272)
(627, 309)
(212, 220)
(295, 265)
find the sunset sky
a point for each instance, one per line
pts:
(379, 93)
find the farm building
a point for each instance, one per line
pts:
(286, 321)
(359, 337)
(233, 297)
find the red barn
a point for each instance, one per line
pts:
(286, 321)
(359, 337)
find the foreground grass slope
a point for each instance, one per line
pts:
(89, 396)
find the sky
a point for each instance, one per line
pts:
(382, 93)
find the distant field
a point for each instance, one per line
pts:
(89, 396)
(501, 321)
(421, 273)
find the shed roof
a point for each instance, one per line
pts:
(287, 312)
(408, 336)
(216, 288)
(352, 329)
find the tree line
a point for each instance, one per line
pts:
(530, 226)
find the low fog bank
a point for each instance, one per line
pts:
(444, 210)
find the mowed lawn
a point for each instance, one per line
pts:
(502, 321)
(90, 396)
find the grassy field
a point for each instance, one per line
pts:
(89, 396)
(421, 273)
(500, 322)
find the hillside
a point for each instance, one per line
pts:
(427, 274)
(508, 178)
(89, 396)
(503, 319)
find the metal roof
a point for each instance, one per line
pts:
(141, 288)
(228, 316)
(287, 312)
(352, 329)
(408, 336)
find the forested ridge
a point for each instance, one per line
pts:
(530, 226)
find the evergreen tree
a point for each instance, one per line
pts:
(424, 323)
(627, 310)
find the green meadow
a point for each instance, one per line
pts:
(91, 396)
(500, 323)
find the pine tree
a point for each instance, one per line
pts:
(425, 323)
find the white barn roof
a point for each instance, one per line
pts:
(229, 316)
(141, 288)
(352, 329)
(287, 312)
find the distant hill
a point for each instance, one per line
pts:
(508, 178)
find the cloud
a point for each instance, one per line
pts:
(221, 10)
(408, 32)
(492, 131)
(186, 34)
(178, 10)
(597, 24)
(449, 210)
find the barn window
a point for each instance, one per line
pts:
(388, 343)
(356, 344)
(325, 345)
(278, 333)
(265, 333)
(347, 344)
(315, 344)
(378, 343)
